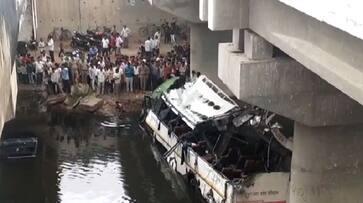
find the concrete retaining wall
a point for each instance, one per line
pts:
(88, 14)
(9, 27)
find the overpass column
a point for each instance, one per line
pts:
(327, 164)
(204, 49)
(256, 47)
(203, 10)
(238, 40)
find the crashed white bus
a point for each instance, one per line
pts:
(231, 154)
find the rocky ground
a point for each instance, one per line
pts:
(83, 100)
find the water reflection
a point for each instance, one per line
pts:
(95, 182)
(80, 161)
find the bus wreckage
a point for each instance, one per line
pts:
(231, 154)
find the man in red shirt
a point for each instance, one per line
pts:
(167, 71)
(113, 43)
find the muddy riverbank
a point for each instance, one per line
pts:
(84, 101)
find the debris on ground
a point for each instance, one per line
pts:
(90, 103)
(56, 99)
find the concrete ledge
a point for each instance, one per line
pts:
(284, 86)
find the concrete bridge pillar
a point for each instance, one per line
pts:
(204, 49)
(203, 10)
(256, 47)
(238, 40)
(328, 134)
(327, 164)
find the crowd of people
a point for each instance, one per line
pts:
(105, 69)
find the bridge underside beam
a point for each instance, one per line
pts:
(332, 54)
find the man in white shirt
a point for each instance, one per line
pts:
(102, 63)
(51, 47)
(119, 43)
(109, 81)
(148, 48)
(55, 79)
(101, 76)
(123, 66)
(41, 45)
(156, 46)
(44, 57)
(125, 34)
(39, 71)
(117, 75)
(136, 79)
(92, 76)
(157, 35)
(105, 46)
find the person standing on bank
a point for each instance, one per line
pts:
(105, 46)
(136, 78)
(129, 75)
(155, 74)
(119, 43)
(41, 45)
(101, 76)
(109, 80)
(144, 72)
(51, 47)
(157, 34)
(65, 79)
(112, 44)
(148, 48)
(92, 76)
(166, 29)
(54, 78)
(125, 34)
(116, 76)
(30, 70)
(173, 31)
(39, 71)
(166, 71)
(157, 46)
(61, 50)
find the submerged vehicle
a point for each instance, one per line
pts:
(18, 148)
(231, 154)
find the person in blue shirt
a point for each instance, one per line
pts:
(65, 79)
(129, 75)
(92, 52)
